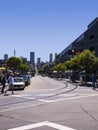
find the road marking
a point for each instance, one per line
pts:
(23, 96)
(57, 100)
(42, 100)
(71, 98)
(47, 101)
(45, 123)
(46, 94)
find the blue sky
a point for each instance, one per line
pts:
(42, 26)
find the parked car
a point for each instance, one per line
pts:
(19, 83)
(26, 79)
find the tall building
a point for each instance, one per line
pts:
(50, 57)
(5, 57)
(38, 61)
(32, 58)
(24, 60)
(87, 40)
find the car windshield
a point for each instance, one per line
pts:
(18, 80)
(26, 77)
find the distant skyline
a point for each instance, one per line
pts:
(42, 26)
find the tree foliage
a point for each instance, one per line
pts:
(59, 67)
(84, 60)
(14, 62)
(23, 68)
(87, 59)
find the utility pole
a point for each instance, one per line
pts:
(14, 59)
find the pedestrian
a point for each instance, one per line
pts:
(10, 83)
(3, 82)
(93, 81)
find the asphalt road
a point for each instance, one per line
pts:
(48, 104)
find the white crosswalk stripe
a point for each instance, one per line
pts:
(24, 96)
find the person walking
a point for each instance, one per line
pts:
(3, 82)
(93, 81)
(10, 83)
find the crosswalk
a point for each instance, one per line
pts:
(52, 98)
(32, 96)
(18, 101)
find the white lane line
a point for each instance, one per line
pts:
(42, 100)
(46, 94)
(71, 98)
(37, 90)
(23, 96)
(57, 100)
(45, 123)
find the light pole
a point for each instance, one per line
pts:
(14, 59)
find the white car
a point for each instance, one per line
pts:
(19, 83)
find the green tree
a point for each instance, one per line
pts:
(13, 63)
(59, 67)
(23, 68)
(73, 63)
(46, 68)
(87, 60)
(82, 61)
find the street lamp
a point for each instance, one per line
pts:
(14, 60)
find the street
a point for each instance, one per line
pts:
(50, 104)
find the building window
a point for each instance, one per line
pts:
(91, 37)
(92, 49)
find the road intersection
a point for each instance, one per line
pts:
(68, 106)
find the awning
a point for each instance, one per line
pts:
(2, 68)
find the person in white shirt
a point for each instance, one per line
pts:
(10, 82)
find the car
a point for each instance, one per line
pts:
(26, 79)
(19, 83)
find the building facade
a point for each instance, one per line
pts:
(87, 40)
(38, 61)
(51, 57)
(24, 60)
(32, 58)
(5, 57)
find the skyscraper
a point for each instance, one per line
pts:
(32, 58)
(51, 57)
(38, 61)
